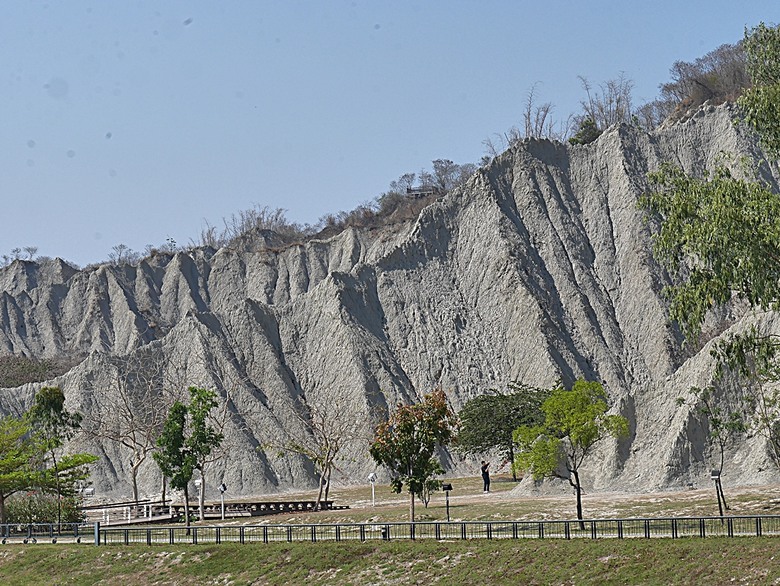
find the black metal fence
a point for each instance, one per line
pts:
(673, 528)
(49, 532)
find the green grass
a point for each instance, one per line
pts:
(636, 561)
(742, 560)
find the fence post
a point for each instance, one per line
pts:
(593, 530)
(620, 528)
(674, 528)
(567, 530)
(489, 530)
(541, 530)
(647, 528)
(758, 526)
(730, 525)
(701, 528)
(463, 531)
(97, 532)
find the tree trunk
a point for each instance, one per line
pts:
(59, 492)
(411, 506)
(512, 463)
(2, 509)
(327, 483)
(578, 491)
(164, 486)
(319, 491)
(134, 473)
(187, 509)
(202, 497)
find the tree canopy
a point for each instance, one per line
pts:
(187, 441)
(488, 422)
(406, 443)
(574, 421)
(719, 236)
(23, 465)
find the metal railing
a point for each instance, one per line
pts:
(672, 527)
(48, 532)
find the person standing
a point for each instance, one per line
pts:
(485, 476)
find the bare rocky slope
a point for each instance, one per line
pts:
(538, 268)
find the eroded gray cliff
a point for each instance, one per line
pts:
(538, 268)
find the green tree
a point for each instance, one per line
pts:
(204, 438)
(586, 133)
(719, 236)
(23, 467)
(761, 102)
(186, 443)
(488, 422)
(54, 424)
(176, 462)
(574, 421)
(19, 458)
(406, 443)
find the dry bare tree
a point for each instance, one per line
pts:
(323, 432)
(131, 412)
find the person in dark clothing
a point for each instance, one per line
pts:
(485, 476)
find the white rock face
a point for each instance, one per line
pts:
(539, 268)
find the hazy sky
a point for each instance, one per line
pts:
(134, 121)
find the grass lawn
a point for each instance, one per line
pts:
(744, 560)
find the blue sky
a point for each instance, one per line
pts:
(134, 121)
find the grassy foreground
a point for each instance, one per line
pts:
(691, 561)
(743, 560)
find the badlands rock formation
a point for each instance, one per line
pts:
(539, 268)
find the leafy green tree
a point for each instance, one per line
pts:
(761, 102)
(719, 236)
(20, 455)
(586, 133)
(23, 467)
(54, 424)
(406, 443)
(204, 438)
(488, 422)
(186, 443)
(176, 462)
(574, 421)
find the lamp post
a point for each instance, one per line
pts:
(372, 480)
(447, 487)
(222, 489)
